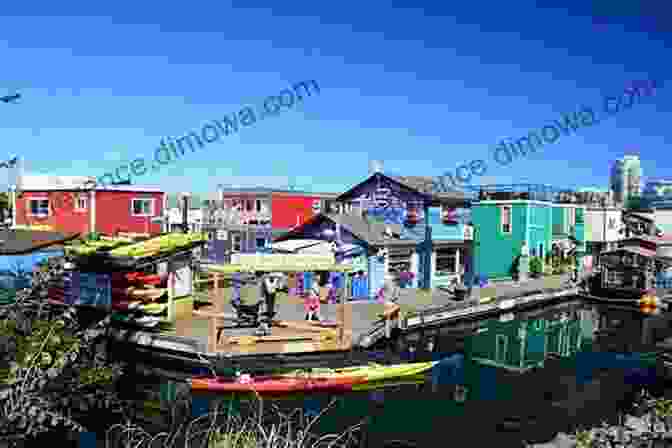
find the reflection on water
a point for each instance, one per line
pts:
(525, 376)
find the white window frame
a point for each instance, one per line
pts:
(38, 198)
(501, 219)
(441, 254)
(151, 207)
(570, 222)
(81, 199)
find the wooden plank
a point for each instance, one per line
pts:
(249, 340)
(302, 326)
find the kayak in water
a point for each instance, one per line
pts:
(371, 372)
(269, 384)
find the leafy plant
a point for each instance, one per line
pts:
(536, 266)
(48, 363)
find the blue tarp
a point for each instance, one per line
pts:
(449, 370)
(637, 370)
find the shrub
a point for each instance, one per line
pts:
(536, 266)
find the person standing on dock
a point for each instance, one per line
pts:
(312, 302)
(269, 286)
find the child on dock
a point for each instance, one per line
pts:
(312, 303)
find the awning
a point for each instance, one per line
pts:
(280, 263)
(307, 246)
(234, 268)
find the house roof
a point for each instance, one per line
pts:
(68, 183)
(214, 196)
(419, 185)
(634, 250)
(17, 242)
(369, 232)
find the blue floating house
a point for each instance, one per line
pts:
(392, 221)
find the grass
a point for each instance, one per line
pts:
(225, 428)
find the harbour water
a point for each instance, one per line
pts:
(523, 376)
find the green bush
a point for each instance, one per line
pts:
(536, 266)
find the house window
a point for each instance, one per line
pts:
(142, 207)
(237, 242)
(538, 324)
(571, 219)
(82, 203)
(258, 204)
(446, 261)
(501, 348)
(399, 260)
(38, 207)
(261, 243)
(506, 219)
(612, 223)
(248, 205)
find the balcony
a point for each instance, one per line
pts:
(512, 192)
(237, 218)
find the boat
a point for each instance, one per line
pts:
(274, 384)
(372, 372)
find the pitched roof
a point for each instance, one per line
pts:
(368, 231)
(417, 184)
(365, 229)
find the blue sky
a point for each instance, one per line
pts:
(422, 87)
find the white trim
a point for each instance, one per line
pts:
(152, 208)
(501, 219)
(86, 203)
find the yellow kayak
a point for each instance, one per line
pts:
(371, 372)
(394, 382)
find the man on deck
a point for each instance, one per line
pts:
(269, 286)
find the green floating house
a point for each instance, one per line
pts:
(508, 217)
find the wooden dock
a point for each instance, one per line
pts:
(490, 301)
(294, 343)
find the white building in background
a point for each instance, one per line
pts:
(625, 178)
(602, 229)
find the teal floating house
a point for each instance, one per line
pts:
(509, 218)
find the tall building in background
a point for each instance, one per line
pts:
(626, 175)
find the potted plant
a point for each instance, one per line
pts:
(405, 279)
(536, 267)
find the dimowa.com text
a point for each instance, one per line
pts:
(509, 150)
(210, 133)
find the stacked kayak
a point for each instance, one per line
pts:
(272, 384)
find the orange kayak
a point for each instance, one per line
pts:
(275, 384)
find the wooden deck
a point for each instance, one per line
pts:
(193, 340)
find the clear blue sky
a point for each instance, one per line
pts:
(420, 86)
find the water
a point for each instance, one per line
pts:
(522, 376)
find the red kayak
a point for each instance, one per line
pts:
(275, 384)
